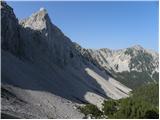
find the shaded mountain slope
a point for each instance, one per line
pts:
(42, 67)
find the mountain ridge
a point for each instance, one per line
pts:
(127, 61)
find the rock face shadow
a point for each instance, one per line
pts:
(34, 60)
(58, 81)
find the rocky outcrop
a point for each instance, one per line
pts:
(57, 46)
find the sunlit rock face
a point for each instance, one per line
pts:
(132, 66)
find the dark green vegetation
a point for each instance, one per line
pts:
(148, 93)
(129, 108)
(134, 79)
(142, 103)
(92, 110)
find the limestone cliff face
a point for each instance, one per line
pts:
(48, 39)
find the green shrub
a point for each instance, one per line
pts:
(129, 108)
(151, 114)
(109, 107)
(92, 110)
(148, 93)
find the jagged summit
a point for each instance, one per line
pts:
(42, 9)
(38, 21)
(137, 47)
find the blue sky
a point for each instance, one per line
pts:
(96, 25)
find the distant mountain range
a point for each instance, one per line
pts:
(132, 66)
(46, 75)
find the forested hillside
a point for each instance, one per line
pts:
(142, 103)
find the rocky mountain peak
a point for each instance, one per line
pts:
(37, 21)
(41, 14)
(137, 47)
(43, 9)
